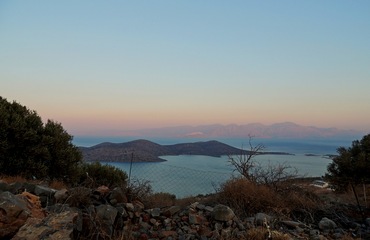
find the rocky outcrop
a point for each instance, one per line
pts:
(54, 226)
(104, 213)
(15, 210)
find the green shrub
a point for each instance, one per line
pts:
(95, 174)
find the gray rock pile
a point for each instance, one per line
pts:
(38, 212)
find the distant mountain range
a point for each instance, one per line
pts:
(277, 130)
(147, 151)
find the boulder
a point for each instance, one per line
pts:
(45, 194)
(33, 204)
(44, 191)
(61, 195)
(327, 224)
(222, 213)
(106, 216)
(14, 212)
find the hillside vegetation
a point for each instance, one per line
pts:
(35, 150)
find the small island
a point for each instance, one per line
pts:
(147, 151)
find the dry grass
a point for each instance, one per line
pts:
(159, 200)
(13, 179)
(58, 185)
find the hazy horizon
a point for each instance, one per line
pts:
(97, 67)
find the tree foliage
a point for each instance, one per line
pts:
(351, 166)
(32, 149)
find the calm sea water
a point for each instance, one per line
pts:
(191, 175)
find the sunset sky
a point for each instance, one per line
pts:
(98, 66)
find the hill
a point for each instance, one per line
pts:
(147, 151)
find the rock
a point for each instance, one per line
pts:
(200, 206)
(170, 211)
(15, 187)
(14, 213)
(130, 207)
(106, 216)
(117, 196)
(44, 191)
(261, 218)
(208, 209)
(226, 233)
(57, 208)
(33, 229)
(327, 224)
(102, 190)
(193, 219)
(155, 212)
(29, 187)
(368, 221)
(314, 232)
(239, 224)
(33, 204)
(45, 194)
(139, 206)
(291, 224)
(121, 210)
(61, 195)
(3, 187)
(54, 226)
(222, 213)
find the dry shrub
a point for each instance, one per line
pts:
(248, 198)
(79, 197)
(58, 185)
(139, 189)
(159, 200)
(301, 199)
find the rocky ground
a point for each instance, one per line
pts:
(32, 211)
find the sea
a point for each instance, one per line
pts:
(192, 175)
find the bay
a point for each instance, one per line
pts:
(189, 175)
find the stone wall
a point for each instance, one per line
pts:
(30, 211)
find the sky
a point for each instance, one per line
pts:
(97, 66)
